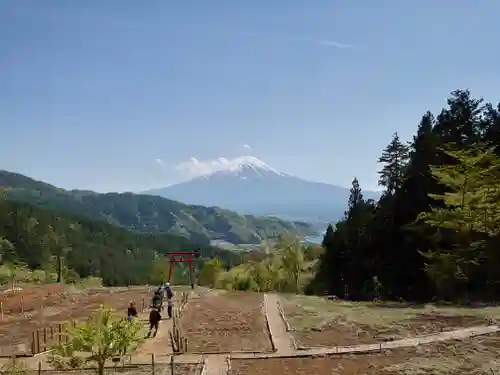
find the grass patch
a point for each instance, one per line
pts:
(476, 356)
(318, 312)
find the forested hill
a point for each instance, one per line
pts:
(435, 233)
(147, 213)
(37, 237)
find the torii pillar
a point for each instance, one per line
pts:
(182, 257)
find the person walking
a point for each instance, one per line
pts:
(168, 291)
(170, 305)
(154, 321)
(158, 299)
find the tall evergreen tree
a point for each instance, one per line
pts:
(395, 158)
(449, 180)
(355, 199)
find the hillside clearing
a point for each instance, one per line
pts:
(226, 322)
(46, 306)
(320, 322)
(477, 356)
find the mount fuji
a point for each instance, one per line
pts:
(248, 185)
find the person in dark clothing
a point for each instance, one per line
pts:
(168, 291)
(169, 307)
(158, 300)
(154, 321)
(131, 311)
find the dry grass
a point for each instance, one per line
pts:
(320, 322)
(477, 356)
(322, 311)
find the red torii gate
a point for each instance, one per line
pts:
(182, 257)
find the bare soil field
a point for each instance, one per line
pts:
(50, 305)
(477, 356)
(33, 297)
(223, 322)
(179, 369)
(320, 322)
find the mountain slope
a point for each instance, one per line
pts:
(147, 213)
(96, 248)
(249, 185)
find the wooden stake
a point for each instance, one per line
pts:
(38, 340)
(39, 367)
(33, 348)
(153, 362)
(1, 310)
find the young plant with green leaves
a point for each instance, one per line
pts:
(14, 367)
(290, 251)
(470, 210)
(210, 272)
(104, 337)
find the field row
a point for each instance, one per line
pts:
(46, 308)
(223, 322)
(318, 322)
(478, 356)
(213, 322)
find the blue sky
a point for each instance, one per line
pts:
(93, 92)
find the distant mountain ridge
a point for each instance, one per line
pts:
(249, 185)
(147, 213)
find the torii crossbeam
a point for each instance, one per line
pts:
(182, 257)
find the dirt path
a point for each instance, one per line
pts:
(282, 339)
(459, 334)
(159, 344)
(216, 364)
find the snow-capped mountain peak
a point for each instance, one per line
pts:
(243, 166)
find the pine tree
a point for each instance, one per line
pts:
(462, 121)
(355, 199)
(328, 237)
(395, 158)
(491, 126)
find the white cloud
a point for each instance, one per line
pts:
(159, 161)
(247, 146)
(300, 38)
(195, 168)
(320, 42)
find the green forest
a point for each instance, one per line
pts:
(435, 232)
(433, 235)
(149, 213)
(77, 247)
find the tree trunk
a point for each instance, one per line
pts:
(100, 368)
